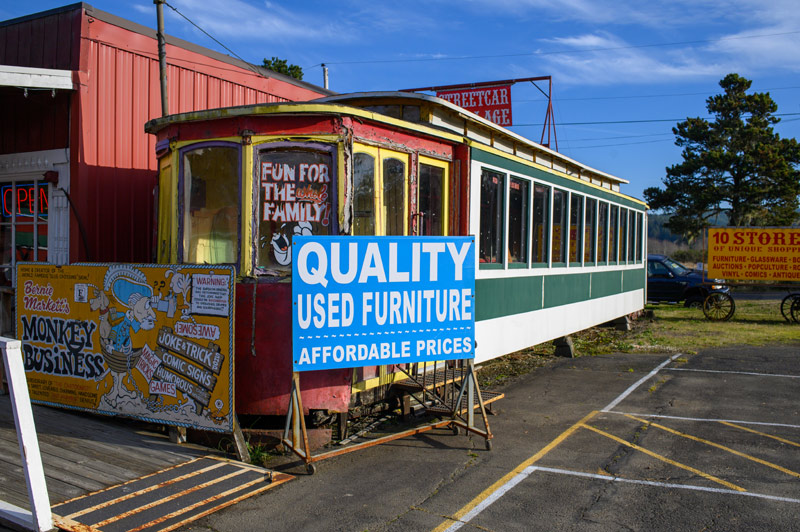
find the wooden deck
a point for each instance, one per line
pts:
(83, 453)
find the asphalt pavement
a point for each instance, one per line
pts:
(620, 442)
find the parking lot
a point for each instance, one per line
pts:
(618, 442)
(707, 442)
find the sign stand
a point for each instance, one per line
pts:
(461, 413)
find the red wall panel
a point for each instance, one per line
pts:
(50, 41)
(117, 156)
(113, 164)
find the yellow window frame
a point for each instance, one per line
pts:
(380, 155)
(445, 166)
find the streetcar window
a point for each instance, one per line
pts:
(363, 194)
(590, 231)
(575, 227)
(559, 254)
(518, 213)
(639, 221)
(431, 196)
(613, 234)
(623, 235)
(394, 194)
(211, 205)
(631, 236)
(491, 222)
(294, 198)
(602, 232)
(541, 222)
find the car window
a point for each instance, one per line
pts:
(676, 267)
(656, 268)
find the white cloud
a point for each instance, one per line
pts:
(603, 59)
(651, 13)
(239, 20)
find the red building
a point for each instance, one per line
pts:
(77, 170)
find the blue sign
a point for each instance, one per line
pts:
(378, 300)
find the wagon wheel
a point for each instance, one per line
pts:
(786, 306)
(720, 307)
(795, 309)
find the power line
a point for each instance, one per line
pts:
(630, 97)
(552, 52)
(623, 137)
(237, 56)
(618, 144)
(652, 120)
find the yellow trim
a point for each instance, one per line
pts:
(373, 152)
(247, 246)
(511, 474)
(538, 166)
(155, 125)
(179, 145)
(444, 165)
(167, 221)
(717, 445)
(380, 154)
(648, 452)
(289, 108)
(342, 178)
(405, 158)
(323, 139)
(374, 382)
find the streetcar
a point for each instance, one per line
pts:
(559, 247)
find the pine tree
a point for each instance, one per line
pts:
(734, 165)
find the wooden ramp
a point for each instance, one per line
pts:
(85, 454)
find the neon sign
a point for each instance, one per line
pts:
(24, 196)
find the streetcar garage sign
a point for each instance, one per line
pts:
(372, 301)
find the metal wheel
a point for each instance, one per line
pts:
(489, 443)
(719, 306)
(454, 428)
(795, 310)
(786, 306)
(311, 468)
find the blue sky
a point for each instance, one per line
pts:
(646, 63)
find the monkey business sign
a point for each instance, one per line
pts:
(373, 301)
(754, 253)
(144, 341)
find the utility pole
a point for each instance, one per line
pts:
(162, 55)
(324, 76)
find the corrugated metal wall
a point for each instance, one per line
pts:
(117, 172)
(113, 164)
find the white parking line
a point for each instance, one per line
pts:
(638, 383)
(737, 421)
(663, 484)
(525, 473)
(737, 372)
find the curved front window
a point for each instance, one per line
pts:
(211, 205)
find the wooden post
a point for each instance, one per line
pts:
(40, 517)
(238, 439)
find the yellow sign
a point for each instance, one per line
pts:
(754, 253)
(145, 341)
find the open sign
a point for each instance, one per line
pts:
(24, 197)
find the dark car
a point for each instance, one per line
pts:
(671, 281)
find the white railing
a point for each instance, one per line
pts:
(39, 518)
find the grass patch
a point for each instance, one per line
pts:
(663, 328)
